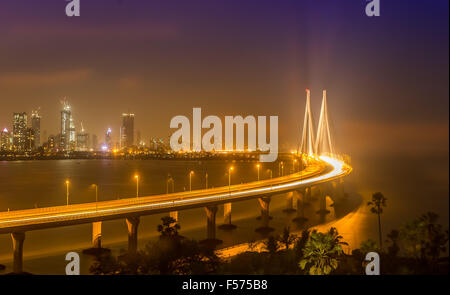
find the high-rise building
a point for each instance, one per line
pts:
(82, 140)
(108, 140)
(51, 145)
(19, 131)
(68, 139)
(36, 126)
(30, 139)
(5, 140)
(127, 130)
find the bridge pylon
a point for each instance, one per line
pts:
(323, 139)
(307, 143)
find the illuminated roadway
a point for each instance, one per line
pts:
(322, 169)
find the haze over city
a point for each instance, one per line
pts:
(123, 69)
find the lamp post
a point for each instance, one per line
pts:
(137, 185)
(229, 177)
(270, 172)
(206, 180)
(190, 180)
(96, 196)
(257, 167)
(171, 182)
(67, 192)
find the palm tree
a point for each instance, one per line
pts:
(321, 252)
(271, 245)
(377, 203)
(287, 238)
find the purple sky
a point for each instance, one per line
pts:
(386, 77)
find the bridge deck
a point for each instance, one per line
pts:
(320, 170)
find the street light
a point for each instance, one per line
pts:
(206, 180)
(190, 180)
(67, 192)
(257, 166)
(96, 195)
(270, 171)
(171, 181)
(229, 176)
(137, 185)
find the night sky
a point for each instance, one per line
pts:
(386, 77)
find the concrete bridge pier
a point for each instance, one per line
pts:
(97, 235)
(132, 224)
(289, 203)
(306, 200)
(323, 193)
(265, 217)
(174, 215)
(96, 240)
(227, 225)
(18, 238)
(211, 212)
(300, 200)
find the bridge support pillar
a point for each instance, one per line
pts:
(174, 215)
(97, 234)
(211, 212)
(227, 217)
(289, 203)
(323, 193)
(132, 224)
(265, 217)
(300, 200)
(96, 240)
(18, 238)
(307, 195)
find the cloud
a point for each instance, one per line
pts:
(44, 78)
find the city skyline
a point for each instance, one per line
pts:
(254, 63)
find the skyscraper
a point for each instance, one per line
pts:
(36, 126)
(82, 140)
(108, 140)
(30, 139)
(19, 131)
(67, 128)
(127, 130)
(5, 140)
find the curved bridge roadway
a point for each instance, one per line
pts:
(320, 170)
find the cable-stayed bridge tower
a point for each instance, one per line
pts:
(307, 143)
(323, 139)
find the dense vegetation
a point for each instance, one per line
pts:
(417, 247)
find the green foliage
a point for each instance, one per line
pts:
(271, 245)
(423, 238)
(300, 244)
(287, 238)
(171, 254)
(369, 245)
(169, 228)
(321, 252)
(377, 203)
(393, 238)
